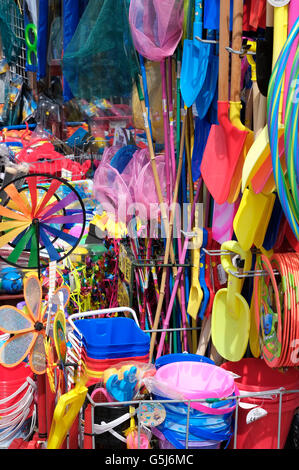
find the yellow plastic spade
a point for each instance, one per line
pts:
(65, 413)
(196, 294)
(230, 324)
(252, 218)
(260, 150)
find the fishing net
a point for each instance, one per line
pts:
(144, 189)
(156, 27)
(118, 188)
(100, 61)
(11, 43)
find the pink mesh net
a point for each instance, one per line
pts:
(135, 186)
(156, 27)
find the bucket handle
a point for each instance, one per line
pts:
(104, 311)
(107, 427)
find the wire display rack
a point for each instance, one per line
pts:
(17, 25)
(91, 429)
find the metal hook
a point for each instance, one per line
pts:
(251, 273)
(216, 252)
(241, 53)
(207, 41)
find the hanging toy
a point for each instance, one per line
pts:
(132, 435)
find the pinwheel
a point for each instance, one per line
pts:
(35, 219)
(28, 328)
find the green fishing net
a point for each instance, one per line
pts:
(10, 21)
(100, 61)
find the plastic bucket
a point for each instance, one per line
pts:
(181, 357)
(165, 444)
(256, 376)
(15, 375)
(195, 380)
(102, 335)
(205, 430)
(121, 352)
(95, 371)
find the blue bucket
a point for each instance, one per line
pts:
(204, 429)
(180, 357)
(105, 338)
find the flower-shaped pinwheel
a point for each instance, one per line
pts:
(29, 328)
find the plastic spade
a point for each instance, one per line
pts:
(207, 92)
(225, 142)
(235, 103)
(230, 324)
(196, 293)
(195, 60)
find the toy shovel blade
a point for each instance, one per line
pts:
(194, 68)
(222, 152)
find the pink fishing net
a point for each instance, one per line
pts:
(156, 27)
(120, 193)
(110, 189)
(145, 192)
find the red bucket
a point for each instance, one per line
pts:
(15, 375)
(256, 376)
(99, 366)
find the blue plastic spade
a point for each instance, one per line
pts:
(201, 133)
(202, 276)
(195, 60)
(207, 92)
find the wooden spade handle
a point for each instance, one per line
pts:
(236, 45)
(223, 53)
(269, 15)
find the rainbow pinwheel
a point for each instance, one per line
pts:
(35, 219)
(29, 327)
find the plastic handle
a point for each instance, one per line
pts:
(106, 427)
(101, 312)
(65, 414)
(234, 284)
(198, 11)
(195, 268)
(198, 24)
(212, 411)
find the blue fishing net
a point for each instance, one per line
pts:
(100, 61)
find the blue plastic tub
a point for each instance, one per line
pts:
(112, 337)
(180, 357)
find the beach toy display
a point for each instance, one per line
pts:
(149, 225)
(106, 342)
(210, 419)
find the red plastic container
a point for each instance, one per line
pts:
(256, 376)
(99, 366)
(15, 375)
(11, 380)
